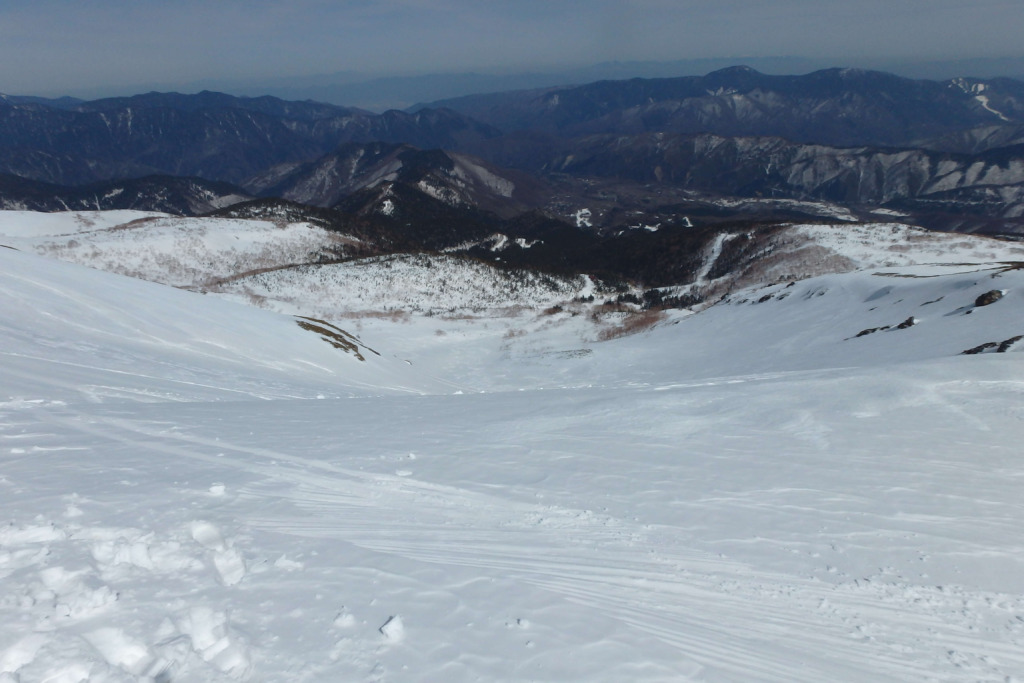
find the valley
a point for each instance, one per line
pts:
(201, 490)
(944, 154)
(694, 379)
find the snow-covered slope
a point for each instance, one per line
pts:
(872, 245)
(801, 251)
(808, 326)
(405, 283)
(71, 333)
(173, 250)
(749, 493)
(274, 264)
(38, 224)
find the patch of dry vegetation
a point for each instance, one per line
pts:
(335, 336)
(394, 315)
(130, 225)
(633, 323)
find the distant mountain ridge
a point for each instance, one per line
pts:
(168, 194)
(456, 179)
(948, 155)
(774, 167)
(209, 135)
(844, 107)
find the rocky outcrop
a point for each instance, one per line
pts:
(989, 298)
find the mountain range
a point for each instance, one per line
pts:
(285, 395)
(734, 145)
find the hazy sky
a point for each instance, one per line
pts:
(57, 46)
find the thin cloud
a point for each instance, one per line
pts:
(52, 45)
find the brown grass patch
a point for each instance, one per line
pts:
(335, 336)
(396, 315)
(633, 323)
(137, 223)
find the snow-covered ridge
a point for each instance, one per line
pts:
(39, 225)
(896, 244)
(802, 251)
(256, 261)
(273, 264)
(173, 250)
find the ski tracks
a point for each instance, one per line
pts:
(736, 622)
(726, 620)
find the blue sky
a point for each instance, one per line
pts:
(55, 46)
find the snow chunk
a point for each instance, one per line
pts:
(230, 566)
(393, 630)
(208, 632)
(207, 535)
(21, 653)
(121, 650)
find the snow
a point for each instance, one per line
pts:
(174, 250)
(393, 630)
(653, 228)
(824, 209)
(35, 224)
(418, 283)
(583, 217)
(983, 100)
(889, 212)
(895, 244)
(473, 173)
(442, 193)
(77, 334)
(501, 243)
(194, 490)
(712, 257)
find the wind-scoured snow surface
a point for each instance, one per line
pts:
(749, 493)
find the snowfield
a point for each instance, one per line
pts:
(894, 244)
(173, 250)
(35, 224)
(417, 283)
(195, 490)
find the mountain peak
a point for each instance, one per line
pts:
(738, 70)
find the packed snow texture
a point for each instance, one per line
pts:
(750, 493)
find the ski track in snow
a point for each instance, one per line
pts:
(718, 614)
